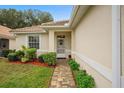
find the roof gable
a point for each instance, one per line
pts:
(5, 32)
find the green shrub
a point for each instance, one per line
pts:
(42, 58)
(24, 59)
(23, 47)
(50, 58)
(30, 53)
(81, 73)
(12, 57)
(45, 57)
(6, 52)
(73, 64)
(19, 54)
(83, 80)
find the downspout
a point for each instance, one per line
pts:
(116, 83)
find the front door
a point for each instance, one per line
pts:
(60, 47)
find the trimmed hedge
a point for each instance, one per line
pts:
(12, 57)
(83, 80)
(73, 64)
(50, 58)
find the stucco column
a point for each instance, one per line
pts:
(51, 41)
(72, 43)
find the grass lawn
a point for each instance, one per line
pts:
(24, 75)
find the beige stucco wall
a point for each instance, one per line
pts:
(44, 41)
(22, 39)
(122, 38)
(93, 38)
(12, 44)
(100, 80)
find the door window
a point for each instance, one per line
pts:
(60, 44)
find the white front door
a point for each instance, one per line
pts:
(60, 47)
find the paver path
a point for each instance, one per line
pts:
(62, 76)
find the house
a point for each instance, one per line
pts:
(91, 36)
(42, 39)
(5, 35)
(87, 35)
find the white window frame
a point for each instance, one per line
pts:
(34, 35)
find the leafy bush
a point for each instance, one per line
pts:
(45, 57)
(6, 52)
(12, 57)
(83, 80)
(24, 59)
(50, 58)
(23, 47)
(81, 73)
(30, 53)
(41, 58)
(73, 64)
(27, 53)
(19, 54)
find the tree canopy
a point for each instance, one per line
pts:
(13, 18)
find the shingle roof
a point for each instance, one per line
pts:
(5, 32)
(57, 23)
(29, 29)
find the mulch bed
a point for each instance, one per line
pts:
(35, 62)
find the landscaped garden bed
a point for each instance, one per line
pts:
(35, 62)
(24, 69)
(81, 77)
(29, 56)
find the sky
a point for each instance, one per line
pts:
(59, 12)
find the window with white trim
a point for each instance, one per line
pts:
(33, 41)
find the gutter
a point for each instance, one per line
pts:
(16, 32)
(77, 14)
(74, 12)
(64, 27)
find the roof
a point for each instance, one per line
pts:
(57, 23)
(29, 29)
(5, 32)
(77, 14)
(40, 28)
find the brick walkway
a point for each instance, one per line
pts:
(62, 76)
